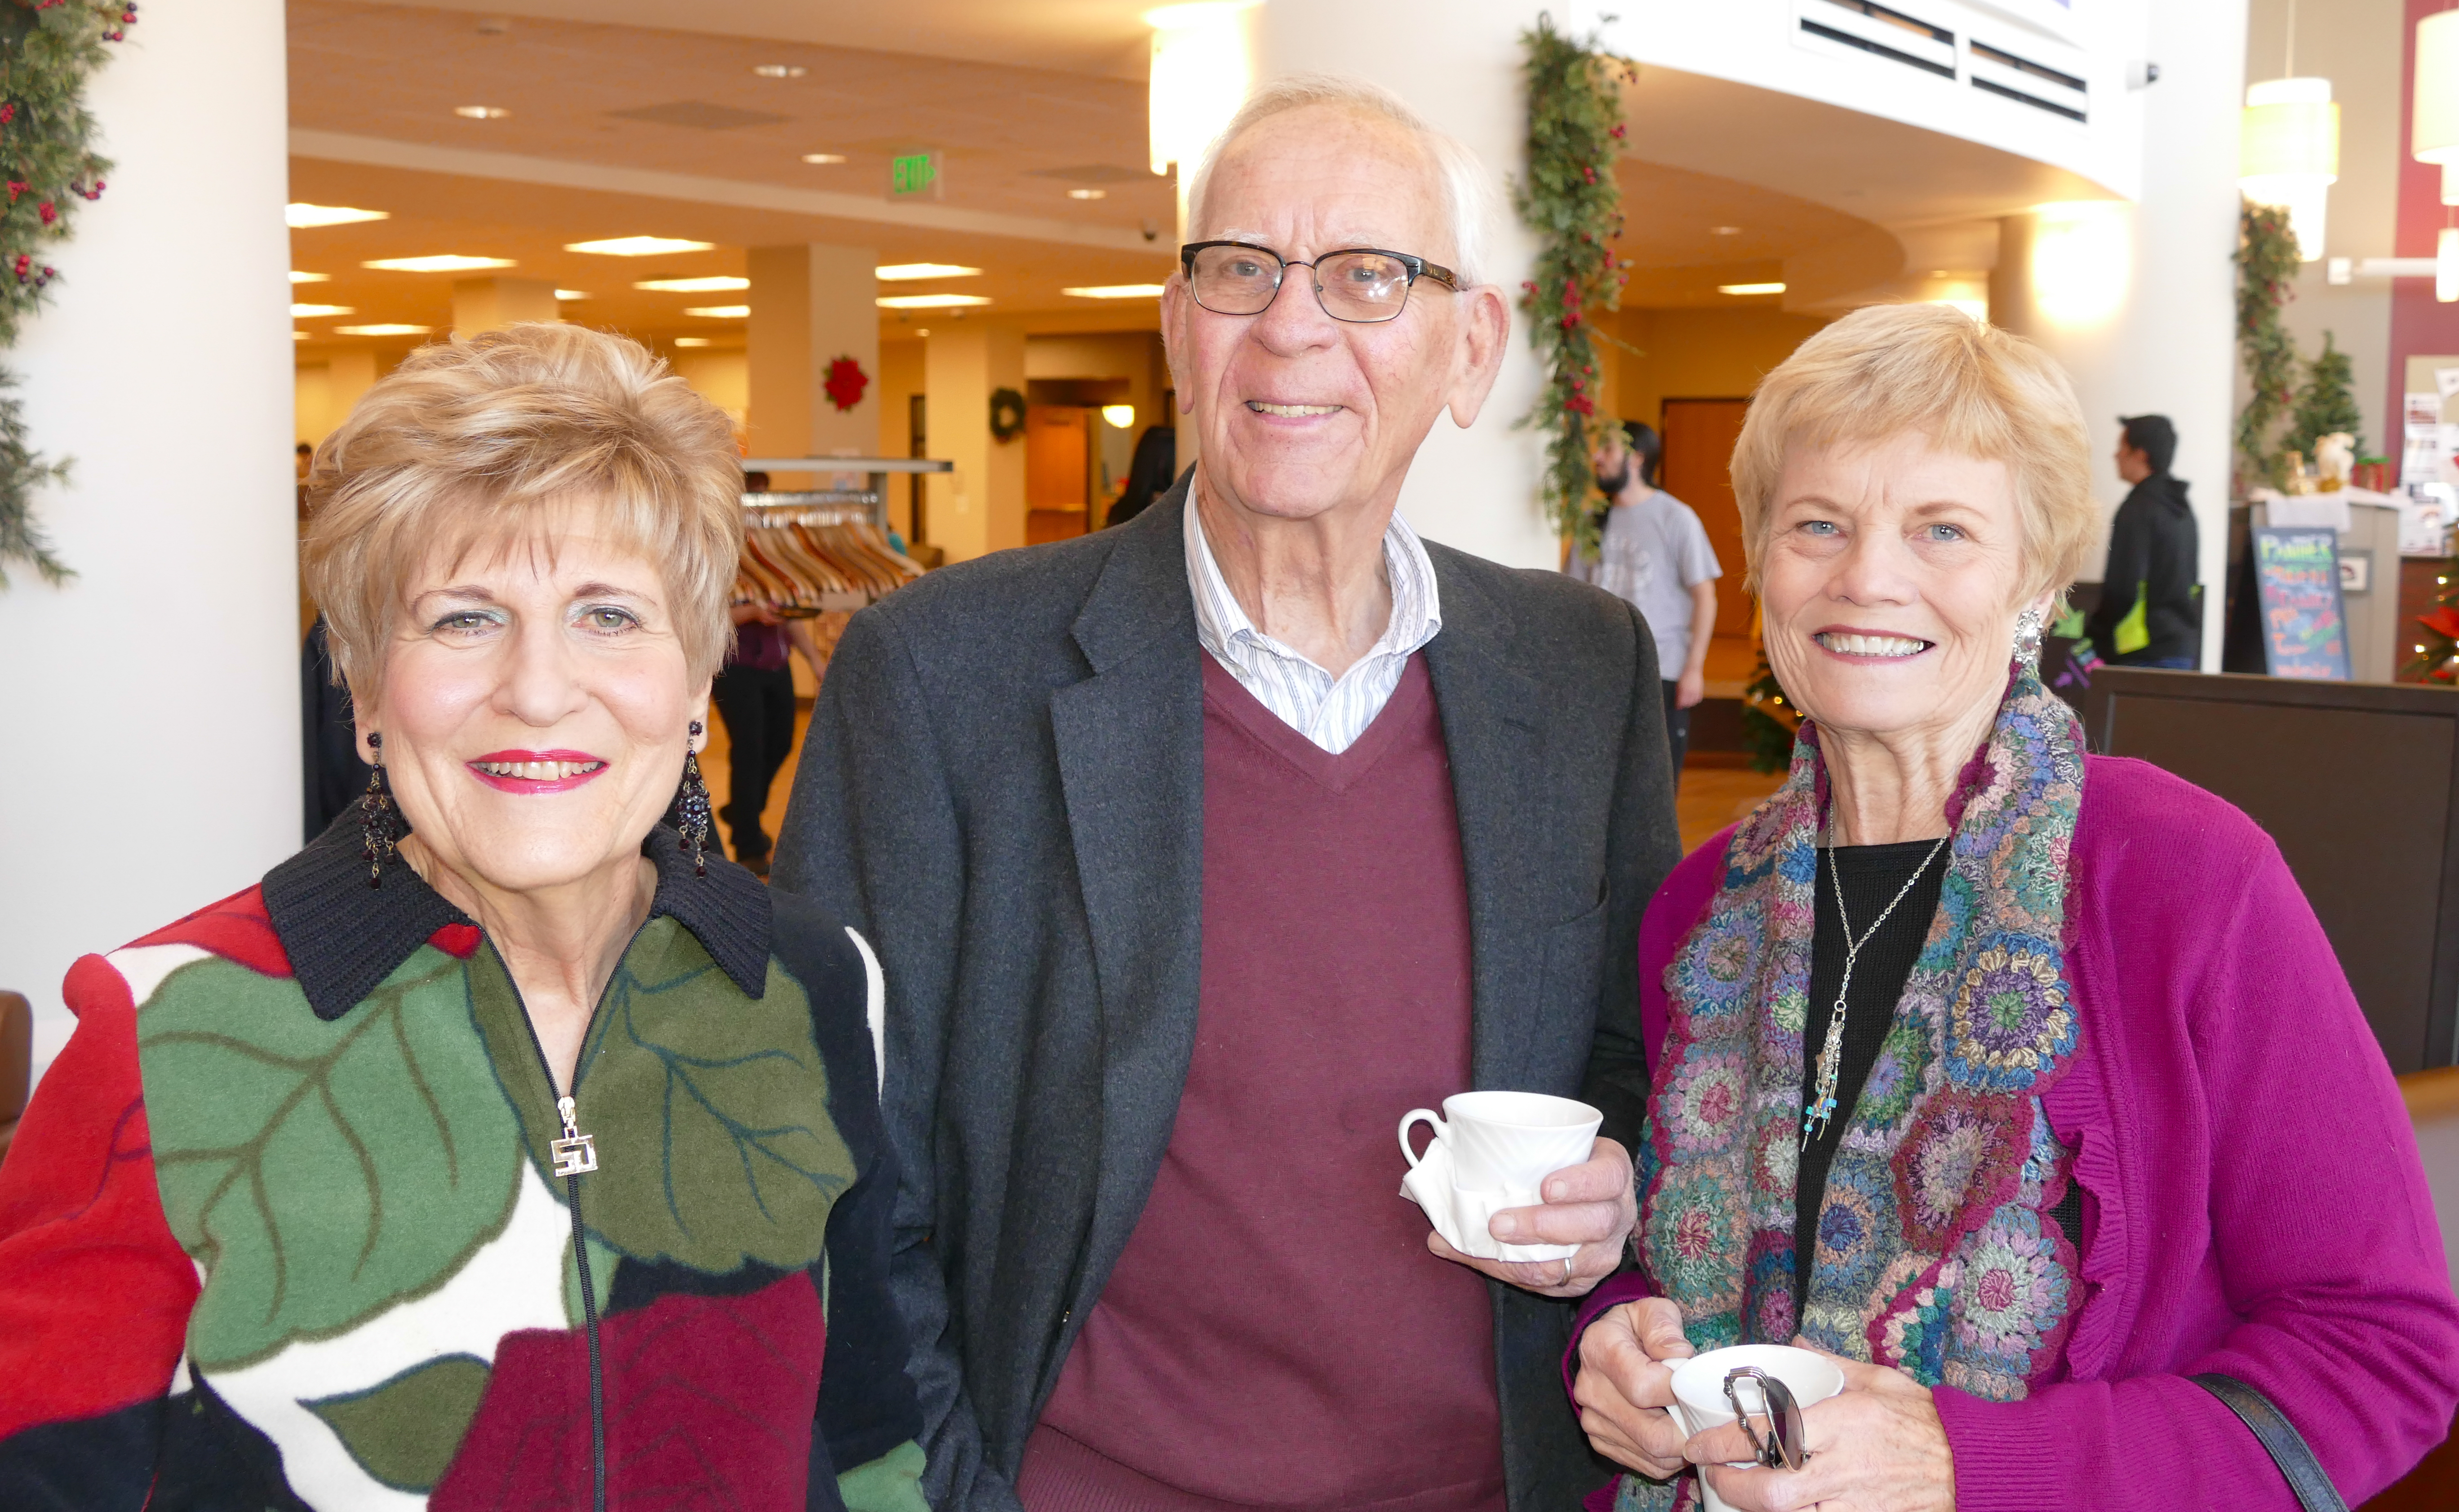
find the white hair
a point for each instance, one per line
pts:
(1469, 196)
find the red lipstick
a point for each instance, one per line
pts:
(591, 766)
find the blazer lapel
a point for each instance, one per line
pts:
(1497, 757)
(1130, 746)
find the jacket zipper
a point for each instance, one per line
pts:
(576, 1154)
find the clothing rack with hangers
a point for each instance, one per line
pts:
(818, 552)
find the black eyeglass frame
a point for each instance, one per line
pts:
(1417, 268)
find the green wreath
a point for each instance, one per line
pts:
(1007, 415)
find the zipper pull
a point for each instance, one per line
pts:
(575, 1153)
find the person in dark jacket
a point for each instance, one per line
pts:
(2151, 611)
(1149, 474)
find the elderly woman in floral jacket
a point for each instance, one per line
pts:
(507, 1146)
(2022, 1080)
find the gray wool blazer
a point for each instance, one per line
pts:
(1003, 789)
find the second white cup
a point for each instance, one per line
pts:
(1700, 1388)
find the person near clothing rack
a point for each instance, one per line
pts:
(754, 694)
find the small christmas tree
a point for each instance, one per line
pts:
(2327, 403)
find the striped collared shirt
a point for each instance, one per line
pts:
(1330, 711)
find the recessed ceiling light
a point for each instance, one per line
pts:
(297, 277)
(929, 301)
(637, 246)
(1724, 230)
(1088, 194)
(904, 272)
(480, 111)
(1116, 291)
(570, 294)
(303, 215)
(691, 340)
(319, 311)
(721, 311)
(779, 69)
(1750, 288)
(439, 262)
(382, 331)
(720, 283)
(299, 335)
(823, 157)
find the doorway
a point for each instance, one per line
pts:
(1057, 470)
(1696, 468)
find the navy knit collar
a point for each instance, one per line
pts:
(344, 938)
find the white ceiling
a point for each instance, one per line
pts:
(1103, 37)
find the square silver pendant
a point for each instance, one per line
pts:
(577, 1156)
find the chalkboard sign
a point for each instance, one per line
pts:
(2297, 578)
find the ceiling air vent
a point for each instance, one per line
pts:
(1879, 31)
(2020, 80)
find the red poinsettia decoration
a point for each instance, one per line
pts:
(845, 383)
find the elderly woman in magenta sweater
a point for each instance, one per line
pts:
(2023, 1079)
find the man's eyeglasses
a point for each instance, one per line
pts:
(1359, 284)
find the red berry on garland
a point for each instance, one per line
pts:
(47, 211)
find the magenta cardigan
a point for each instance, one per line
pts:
(2252, 1201)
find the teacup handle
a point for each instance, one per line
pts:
(1442, 1131)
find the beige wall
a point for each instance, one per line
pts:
(1694, 354)
(323, 391)
(810, 305)
(900, 379)
(981, 506)
(723, 378)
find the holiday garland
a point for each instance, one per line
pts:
(2266, 262)
(1570, 199)
(47, 48)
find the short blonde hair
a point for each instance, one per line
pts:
(1973, 390)
(488, 440)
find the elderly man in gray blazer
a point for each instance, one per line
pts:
(1200, 849)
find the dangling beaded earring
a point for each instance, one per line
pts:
(379, 821)
(691, 806)
(2027, 642)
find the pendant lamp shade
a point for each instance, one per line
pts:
(1200, 76)
(2288, 153)
(2434, 125)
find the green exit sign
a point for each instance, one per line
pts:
(913, 174)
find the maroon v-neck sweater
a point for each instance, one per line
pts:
(1276, 1333)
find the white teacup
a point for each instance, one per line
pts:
(1491, 1150)
(1699, 1389)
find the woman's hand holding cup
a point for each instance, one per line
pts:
(1878, 1445)
(1626, 1385)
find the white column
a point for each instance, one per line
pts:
(151, 704)
(811, 304)
(1457, 62)
(491, 303)
(2138, 302)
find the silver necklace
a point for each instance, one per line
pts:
(1821, 1105)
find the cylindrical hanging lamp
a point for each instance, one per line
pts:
(2288, 153)
(2433, 124)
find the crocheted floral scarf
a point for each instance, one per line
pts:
(1936, 1252)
